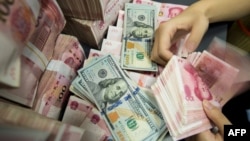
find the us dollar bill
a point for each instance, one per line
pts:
(137, 42)
(124, 113)
(82, 91)
(148, 100)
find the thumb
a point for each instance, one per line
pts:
(215, 114)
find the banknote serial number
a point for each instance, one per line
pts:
(5, 9)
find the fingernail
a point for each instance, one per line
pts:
(207, 104)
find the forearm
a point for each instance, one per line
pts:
(222, 10)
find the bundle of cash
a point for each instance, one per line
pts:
(233, 56)
(214, 72)
(127, 110)
(37, 53)
(49, 25)
(236, 57)
(185, 83)
(26, 118)
(15, 132)
(222, 61)
(179, 91)
(84, 114)
(17, 24)
(84, 9)
(91, 32)
(53, 88)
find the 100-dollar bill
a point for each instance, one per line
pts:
(139, 27)
(127, 118)
(148, 100)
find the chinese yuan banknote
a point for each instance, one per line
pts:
(37, 53)
(96, 126)
(26, 118)
(85, 115)
(179, 90)
(236, 57)
(14, 132)
(114, 33)
(17, 24)
(214, 72)
(120, 19)
(53, 88)
(111, 47)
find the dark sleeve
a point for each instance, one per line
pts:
(236, 109)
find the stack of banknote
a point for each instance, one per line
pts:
(214, 72)
(84, 9)
(22, 120)
(177, 90)
(84, 114)
(237, 58)
(129, 112)
(17, 24)
(53, 89)
(15, 132)
(90, 31)
(185, 83)
(37, 52)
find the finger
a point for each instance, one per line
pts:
(166, 34)
(155, 51)
(154, 55)
(196, 35)
(179, 34)
(215, 114)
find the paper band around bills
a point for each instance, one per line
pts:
(61, 67)
(35, 55)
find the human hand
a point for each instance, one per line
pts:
(218, 118)
(192, 20)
